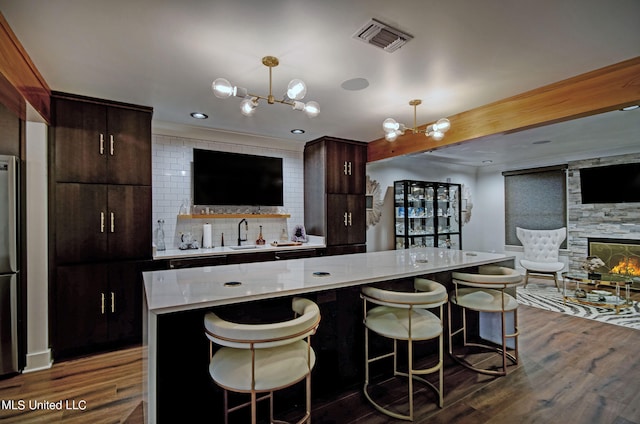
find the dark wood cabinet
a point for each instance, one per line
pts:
(97, 143)
(97, 222)
(345, 219)
(334, 193)
(97, 305)
(345, 163)
(100, 221)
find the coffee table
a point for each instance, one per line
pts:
(590, 294)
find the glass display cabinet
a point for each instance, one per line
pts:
(427, 214)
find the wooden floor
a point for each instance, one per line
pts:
(571, 371)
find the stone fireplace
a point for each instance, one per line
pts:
(620, 256)
(618, 224)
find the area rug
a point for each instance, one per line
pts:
(545, 296)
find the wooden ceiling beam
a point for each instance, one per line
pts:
(18, 69)
(602, 90)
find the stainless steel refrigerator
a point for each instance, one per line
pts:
(9, 264)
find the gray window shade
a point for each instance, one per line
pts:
(534, 199)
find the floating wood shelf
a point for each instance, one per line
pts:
(235, 215)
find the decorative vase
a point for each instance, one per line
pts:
(160, 245)
(260, 240)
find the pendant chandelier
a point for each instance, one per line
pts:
(436, 131)
(296, 91)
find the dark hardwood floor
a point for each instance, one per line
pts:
(571, 370)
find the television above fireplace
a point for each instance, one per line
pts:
(610, 184)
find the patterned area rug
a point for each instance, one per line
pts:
(546, 296)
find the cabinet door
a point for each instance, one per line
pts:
(80, 141)
(345, 167)
(345, 219)
(81, 222)
(128, 146)
(356, 205)
(124, 304)
(82, 296)
(128, 218)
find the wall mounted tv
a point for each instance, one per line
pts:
(222, 178)
(611, 184)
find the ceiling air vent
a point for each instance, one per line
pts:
(382, 35)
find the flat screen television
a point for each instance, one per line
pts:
(611, 184)
(223, 178)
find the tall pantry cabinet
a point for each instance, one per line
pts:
(334, 193)
(100, 221)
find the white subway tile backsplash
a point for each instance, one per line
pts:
(171, 175)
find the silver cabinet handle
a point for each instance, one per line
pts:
(345, 168)
(111, 142)
(102, 303)
(350, 222)
(102, 144)
(102, 222)
(345, 219)
(113, 302)
(113, 222)
(349, 167)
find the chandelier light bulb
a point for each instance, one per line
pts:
(390, 125)
(222, 88)
(248, 106)
(391, 136)
(296, 90)
(436, 135)
(312, 109)
(442, 125)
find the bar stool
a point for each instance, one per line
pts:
(263, 358)
(405, 316)
(485, 292)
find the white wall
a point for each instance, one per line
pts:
(38, 352)
(489, 208)
(385, 172)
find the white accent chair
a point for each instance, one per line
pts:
(405, 316)
(263, 358)
(541, 251)
(485, 291)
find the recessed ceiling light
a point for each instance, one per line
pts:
(541, 142)
(198, 115)
(297, 131)
(487, 161)
(632, 107)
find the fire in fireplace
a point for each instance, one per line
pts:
(620, 256)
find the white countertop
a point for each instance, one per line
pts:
(315, 242)
(193, 288)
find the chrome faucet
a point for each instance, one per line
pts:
(246, 227)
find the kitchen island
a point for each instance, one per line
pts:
(176, 301)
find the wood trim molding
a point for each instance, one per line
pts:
(19, 70)
(602, 90)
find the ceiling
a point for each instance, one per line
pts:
(464, 54)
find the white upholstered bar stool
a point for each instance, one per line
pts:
(485, 292)
(262, 358)
(541, 251)
(405, 316)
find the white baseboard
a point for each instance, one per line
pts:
(38, 361)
